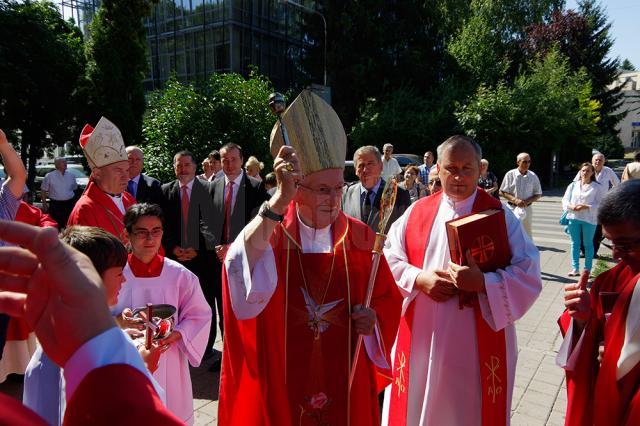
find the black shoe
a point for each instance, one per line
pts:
(595, 256)
(215, 367)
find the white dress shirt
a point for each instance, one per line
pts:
(60, 186)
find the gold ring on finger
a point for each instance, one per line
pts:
(289, 167)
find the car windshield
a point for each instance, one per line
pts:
(77, 173)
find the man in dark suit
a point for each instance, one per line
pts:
(237, 199)
(144, 189)
(188, 237)
(362, 200)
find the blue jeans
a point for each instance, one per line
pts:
(581, 231)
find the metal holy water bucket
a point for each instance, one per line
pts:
(163, 319)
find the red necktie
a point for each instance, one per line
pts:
(227, 212)
(184, 202)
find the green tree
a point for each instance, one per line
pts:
(117, 64)
(41, 68)
(547, 109)
(377, 46)
(487, 43)
(583, 37)
(228, 108)
(627, 65)
(412, 122)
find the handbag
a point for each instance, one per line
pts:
(564, 221)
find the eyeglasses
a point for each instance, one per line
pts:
(144, 234)
(324, 191)
(435, 182)
(526, 161)
(625, 247)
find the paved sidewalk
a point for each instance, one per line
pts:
(539, 394)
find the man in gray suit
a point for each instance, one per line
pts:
(362, 200)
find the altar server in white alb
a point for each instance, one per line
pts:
(455, 354)
(152, 278)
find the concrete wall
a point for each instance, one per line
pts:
(629, 126)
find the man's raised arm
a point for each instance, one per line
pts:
(13, 167)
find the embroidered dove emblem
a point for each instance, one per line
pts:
(317, 323)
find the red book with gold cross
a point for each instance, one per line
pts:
(485, 234)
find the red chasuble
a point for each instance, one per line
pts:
(289, 366)
(492, 353)
(581, 381)
(96, 208)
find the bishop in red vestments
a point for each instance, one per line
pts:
(601, 352)
(294, 288)
(105, 200)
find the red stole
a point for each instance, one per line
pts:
(612, 397)
(581, 381)
(275, 370)
(492, 353)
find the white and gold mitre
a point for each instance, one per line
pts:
(314, 131)
(102, 145)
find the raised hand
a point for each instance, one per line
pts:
(54, 287)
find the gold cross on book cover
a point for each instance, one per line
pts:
(485, 235)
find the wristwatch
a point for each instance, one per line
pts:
(266, 212)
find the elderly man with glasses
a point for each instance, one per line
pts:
(295, 281)
(521, 188)
(602, 364)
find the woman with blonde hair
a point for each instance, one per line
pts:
(253, 167)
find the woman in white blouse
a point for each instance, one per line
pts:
(581, 201)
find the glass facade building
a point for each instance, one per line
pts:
(195, 38)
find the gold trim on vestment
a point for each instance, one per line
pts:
(346, 267)
(286, 310)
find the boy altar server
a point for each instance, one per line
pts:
(152, 278)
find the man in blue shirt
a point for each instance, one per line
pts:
(425, 168)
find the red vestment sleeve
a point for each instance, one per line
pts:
(582, 380)
(34, 216)
(12, 412)
(117, 394)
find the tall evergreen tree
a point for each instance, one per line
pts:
(627, 65)
(377, 46)
(117, 63)
(583, 37)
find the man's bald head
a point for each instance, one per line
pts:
(598, 161)
(459, 166)
(458, 141)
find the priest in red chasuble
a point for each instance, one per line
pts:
(601, 348)
(294, 289)
(455, 355)
(105, 200)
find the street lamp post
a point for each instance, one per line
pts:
(324, 22)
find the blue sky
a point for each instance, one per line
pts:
(625, 27)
